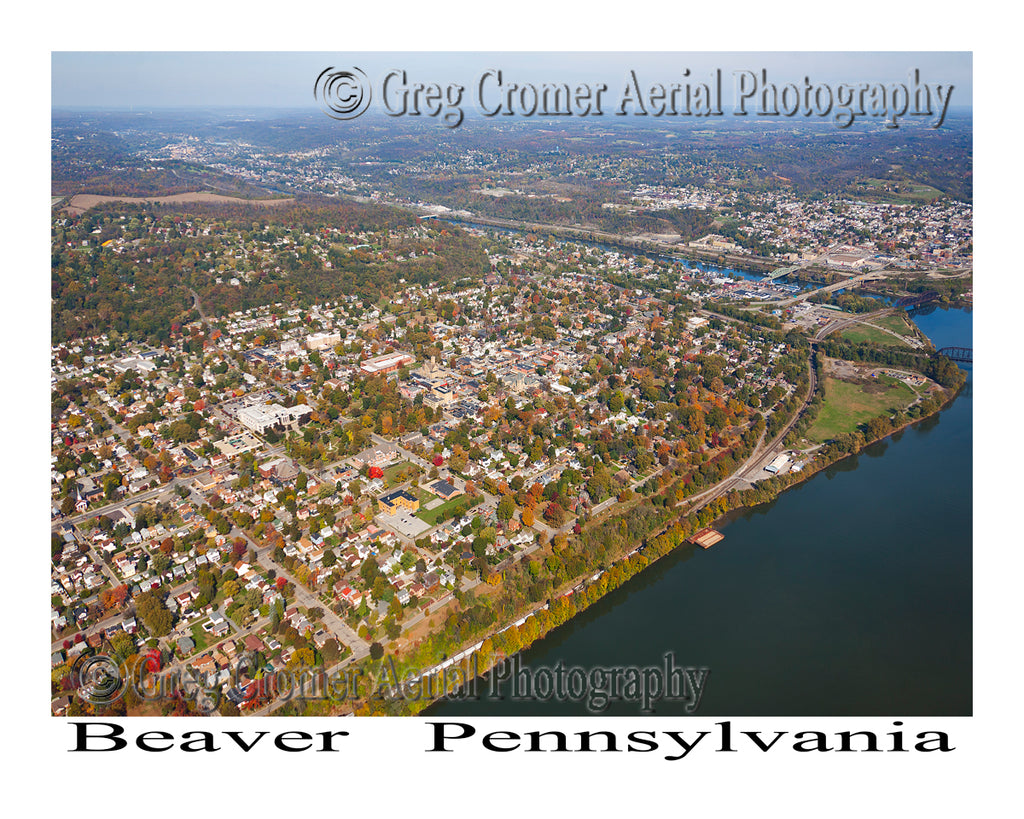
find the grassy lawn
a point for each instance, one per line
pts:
(910, 192)
(201, 638)
(898, 323)
(847, 405)
(431, 516)
(424, 496)
(863, 332)
(391, 473)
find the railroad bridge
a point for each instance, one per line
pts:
(910, 302)
(964, 354)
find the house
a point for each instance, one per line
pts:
(219, 625)
(375, 456)
(205, 665)
(59, 706)
(184, 601)
(284, 469)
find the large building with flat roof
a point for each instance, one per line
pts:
(386, 363)
(322, 341)
(396, 500)
(262, 417)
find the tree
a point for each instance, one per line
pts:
(554, 514)
(150, 607)
(114, 598)
(123, 645)
(376, 651)
(331, 651)
(111, 483)
(506, 508)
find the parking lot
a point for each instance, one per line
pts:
(404, 523)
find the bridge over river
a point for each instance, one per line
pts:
(962, 354)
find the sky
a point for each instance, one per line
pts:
(157, 79)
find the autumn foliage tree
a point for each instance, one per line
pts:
(554, 514)
(115, 598)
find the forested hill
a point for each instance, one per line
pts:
(128, 268)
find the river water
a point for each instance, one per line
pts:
(850, 594)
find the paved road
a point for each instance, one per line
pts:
(863, 277)
(149, 494)
(849, 321)
(305, 597)
(198, 306)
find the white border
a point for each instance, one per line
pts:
(388, 770)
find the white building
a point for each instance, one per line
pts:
(322, 341)
(262, 417)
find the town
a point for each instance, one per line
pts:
(309, 431)
(326, 480)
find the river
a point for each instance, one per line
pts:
(688, 263)
(850, 594)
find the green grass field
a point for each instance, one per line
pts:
(898, 323)
(424, 496)
(847, 405)
(392, 473)
(907, 191)
(201, 638)
(863, 332)
(432, 516)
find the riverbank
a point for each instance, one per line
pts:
(850, 594)
(572, 599)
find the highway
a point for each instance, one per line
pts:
(844, 322)
(848, 321)
(873, 275)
